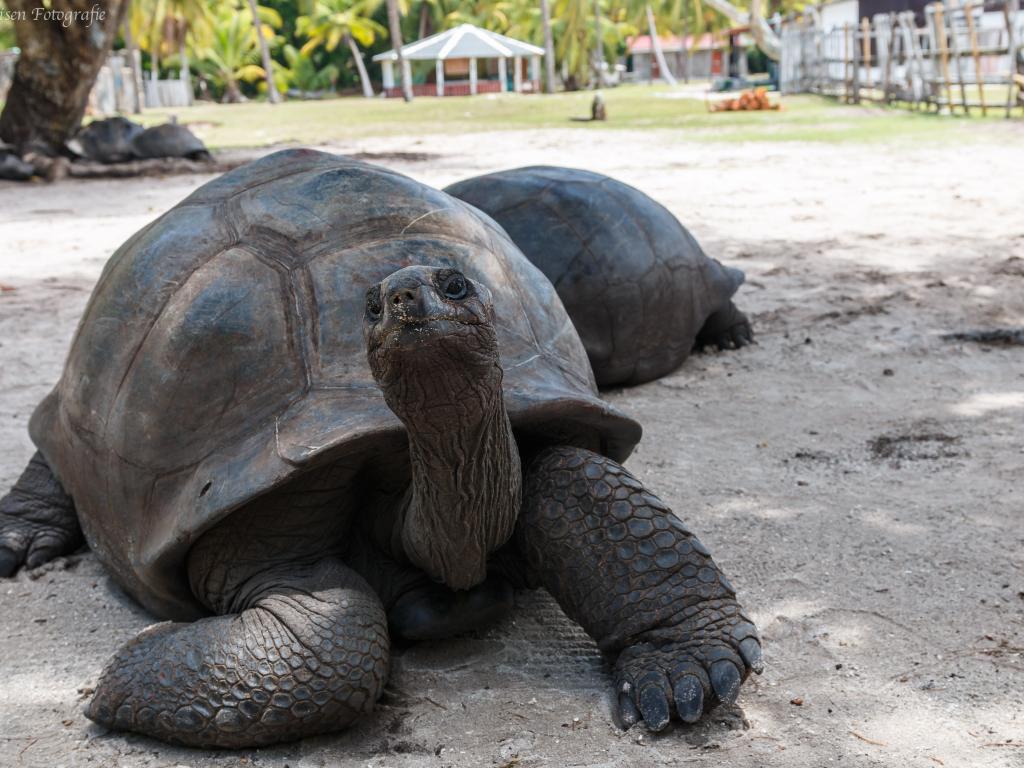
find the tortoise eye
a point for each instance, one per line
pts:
(454, 286)
(373, 306)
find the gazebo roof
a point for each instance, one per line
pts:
(463, 42)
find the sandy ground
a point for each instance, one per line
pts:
(858, 477)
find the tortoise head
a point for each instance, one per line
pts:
(428, 323)
(433, 350)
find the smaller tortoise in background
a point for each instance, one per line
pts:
(639, 289)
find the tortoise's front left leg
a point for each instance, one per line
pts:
(639, 582)
(38, 521)
(304, 651)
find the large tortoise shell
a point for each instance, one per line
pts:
(221, 354)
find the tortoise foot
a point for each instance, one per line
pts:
(726, 329)
(685, 671)
(37, 520)
(308, 656)
(433, 611)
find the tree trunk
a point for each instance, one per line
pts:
(364, 77)
(549, 48)
(184, 73)
(55, 72)
(599, 45)
(763, 34)
(659, 55)
(133, 60)
(395, 30)
(232, 93)
(272, 95)
(683, 57)
(424, 20)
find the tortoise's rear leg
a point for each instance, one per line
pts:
(728, 328)
(37, 520)
(307, 653)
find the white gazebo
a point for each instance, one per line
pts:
(459, 45)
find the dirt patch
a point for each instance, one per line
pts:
(915, 446)
(1000, 337)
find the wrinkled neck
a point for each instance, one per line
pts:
(466, 477)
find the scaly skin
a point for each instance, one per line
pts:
(639, 582)
(37, 520)
(727, 328)
(308, 654)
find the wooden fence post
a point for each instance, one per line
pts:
(973, 34)
(1011, 44)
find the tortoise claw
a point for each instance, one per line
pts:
(689, 698)
(725, 679)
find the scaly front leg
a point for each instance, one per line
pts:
(643, 586)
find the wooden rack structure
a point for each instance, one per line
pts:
(968, 56)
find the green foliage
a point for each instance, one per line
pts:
(6, 30)
(230, 55)
(301, 73)
(321, 41)
(330, 21)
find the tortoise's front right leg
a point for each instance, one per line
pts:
(307, 653)
(38, 521)
(636, 578)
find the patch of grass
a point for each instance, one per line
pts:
(803, 118)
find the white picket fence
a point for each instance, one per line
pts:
(118, 87)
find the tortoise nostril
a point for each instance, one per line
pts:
(402, 297)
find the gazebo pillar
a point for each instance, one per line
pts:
(407, 72)
(502, 74)
(439, 76)
(388, 73)
(472, 77)
(535, 73)
(517, 74)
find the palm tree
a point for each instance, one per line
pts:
(272, 95)
(576, 35)
(549, 48)
(332, 22)
(230, 57)
(395, 30)
(599, 53)
(646, 11)
(168, 26)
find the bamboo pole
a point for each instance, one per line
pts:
(1011, 45)
(916, 58)
(865, 31)
(938, 21)
(955, 41)
(856, 68)
(973, 34)
(891, 55)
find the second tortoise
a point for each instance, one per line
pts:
(637, 285)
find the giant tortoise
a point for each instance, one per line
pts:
(638, 287)
(318, 405)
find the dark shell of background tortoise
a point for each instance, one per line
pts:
(169, 140)
(635, 282)
(117, 140)
(221, 355)
(107, 141)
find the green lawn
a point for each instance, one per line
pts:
(803, 118)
